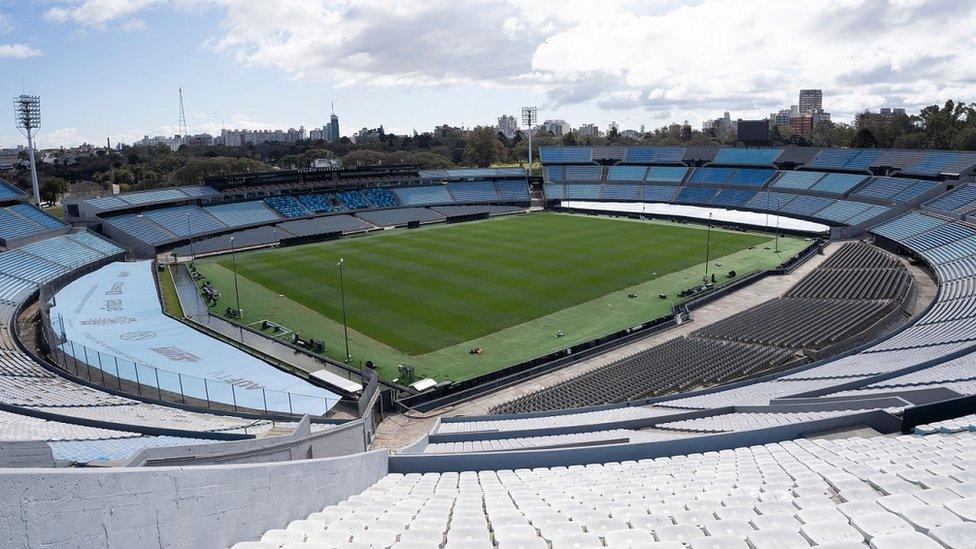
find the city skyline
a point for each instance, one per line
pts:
(112, 69)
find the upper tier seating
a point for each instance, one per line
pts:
(584, 173)
(626, 173)
(653, 154)
(316, 202)
(9, 192)
(239, 214)
(184, 221)
(381, 198)
(666, 174)
(354, 200)
(754, 157)
(422, 196)
(22, 220)
(892, 188)
(473, 191)
(287, 206)
(516, 191)
(141, 227)
(960, 200)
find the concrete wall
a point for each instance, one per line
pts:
(25, 453)
(172, 507)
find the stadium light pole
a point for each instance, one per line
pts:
(530, 115)
(708, 245)
(237, 293)
(27, 114)
(342, 293)
(189, 235)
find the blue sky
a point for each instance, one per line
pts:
(111, 68)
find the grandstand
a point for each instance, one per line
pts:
(840, 414)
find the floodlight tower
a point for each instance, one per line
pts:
(182, 119)
(27, 114)
(530, 116)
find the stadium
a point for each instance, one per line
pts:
(642, 347)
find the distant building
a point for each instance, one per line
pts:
(317, 133)
(801, 125)
(557, 127)
(722, 126)
(819, 116)
(810, 101)
(331, 131)
(780, 119)
(9, 158)
(332, 163)
(588, 130)
(507, 126)
(240, 138)
(885, 117)
(366, 134)
(631, 134)
(446, 130)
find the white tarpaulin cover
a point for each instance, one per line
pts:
(114, 316)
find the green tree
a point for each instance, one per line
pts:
(53, 187)
(864, 139)
(197, 168)
(483, 148)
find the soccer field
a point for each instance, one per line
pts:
(427, 296)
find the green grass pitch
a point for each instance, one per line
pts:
(427, 296)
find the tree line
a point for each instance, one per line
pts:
(137, 167)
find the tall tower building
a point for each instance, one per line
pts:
(332, 130)
(810, 101)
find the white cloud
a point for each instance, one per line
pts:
(18, 51)
(659, 61)
(98, 14)
(66, 137)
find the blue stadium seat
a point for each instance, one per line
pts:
(584, 173)
(381, 198)
(354, 200)
(695, 195)
(838, 183)
(239, 214)
(563, 155)
(658, 193)
(316, 202)
(626, 173)
(797, 180)
(732, 197)
(960, 200)
(513, 191)
(666, 174)
(648, 155)
(751, 157)
(711, 175)
(751, 177)
(621, 192)
(419, 196)
(287, 206)
(473, 191)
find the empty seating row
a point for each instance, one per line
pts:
(401, 216)
(960, 200)
(22, 220)
(287, 206)
(473, 191)
(678, 365)
(238, 214)
(184, 221)
(882, 492)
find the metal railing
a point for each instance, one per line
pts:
(112, 371)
